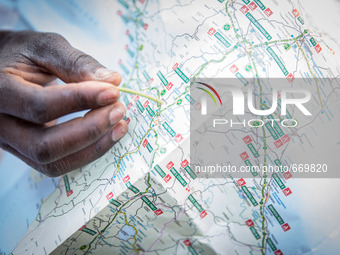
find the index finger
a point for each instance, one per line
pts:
(38, 104)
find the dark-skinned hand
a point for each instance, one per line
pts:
(31, 102)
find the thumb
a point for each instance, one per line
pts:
(53, 53)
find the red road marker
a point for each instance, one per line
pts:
(178, 138)
(296, 13)
(126, 179)
(318, 48)
(145, 143)
(290, 78)
(167, 178)
(250, 223)
(170, 165)
(244, 156)
(175, 66)
(247, 139)
(169, 86)
(234, 69)
(278, 143)
(211, 31)
(244, 9)
(278, 252)
(187, 243)
(268, 12)
(252, 6)
(109, 196)
(287, 175)
(287, 191)
(241, 182)
(285, 139)
(146, 103)
(158, 212)
(285, 227)
(184, 163)
(203, 214)
(69, 193)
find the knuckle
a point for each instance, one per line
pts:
(50, 170)
(36, 111)
(43, 169)
(94, 132)
(57, 168)
(81, 100)
(41, 152)
(100, 150)
(82, 64)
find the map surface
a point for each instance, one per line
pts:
(142, 196)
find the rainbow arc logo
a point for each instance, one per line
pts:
(212, 93)
(209, 93)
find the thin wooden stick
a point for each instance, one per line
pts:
(131, 91)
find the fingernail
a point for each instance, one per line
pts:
(118, 133)
(116, 115)
(108, 96)
(103, 73)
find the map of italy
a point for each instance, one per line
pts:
(144, 196)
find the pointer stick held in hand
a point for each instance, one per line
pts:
(140, 94)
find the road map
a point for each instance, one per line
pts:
(143, 196)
